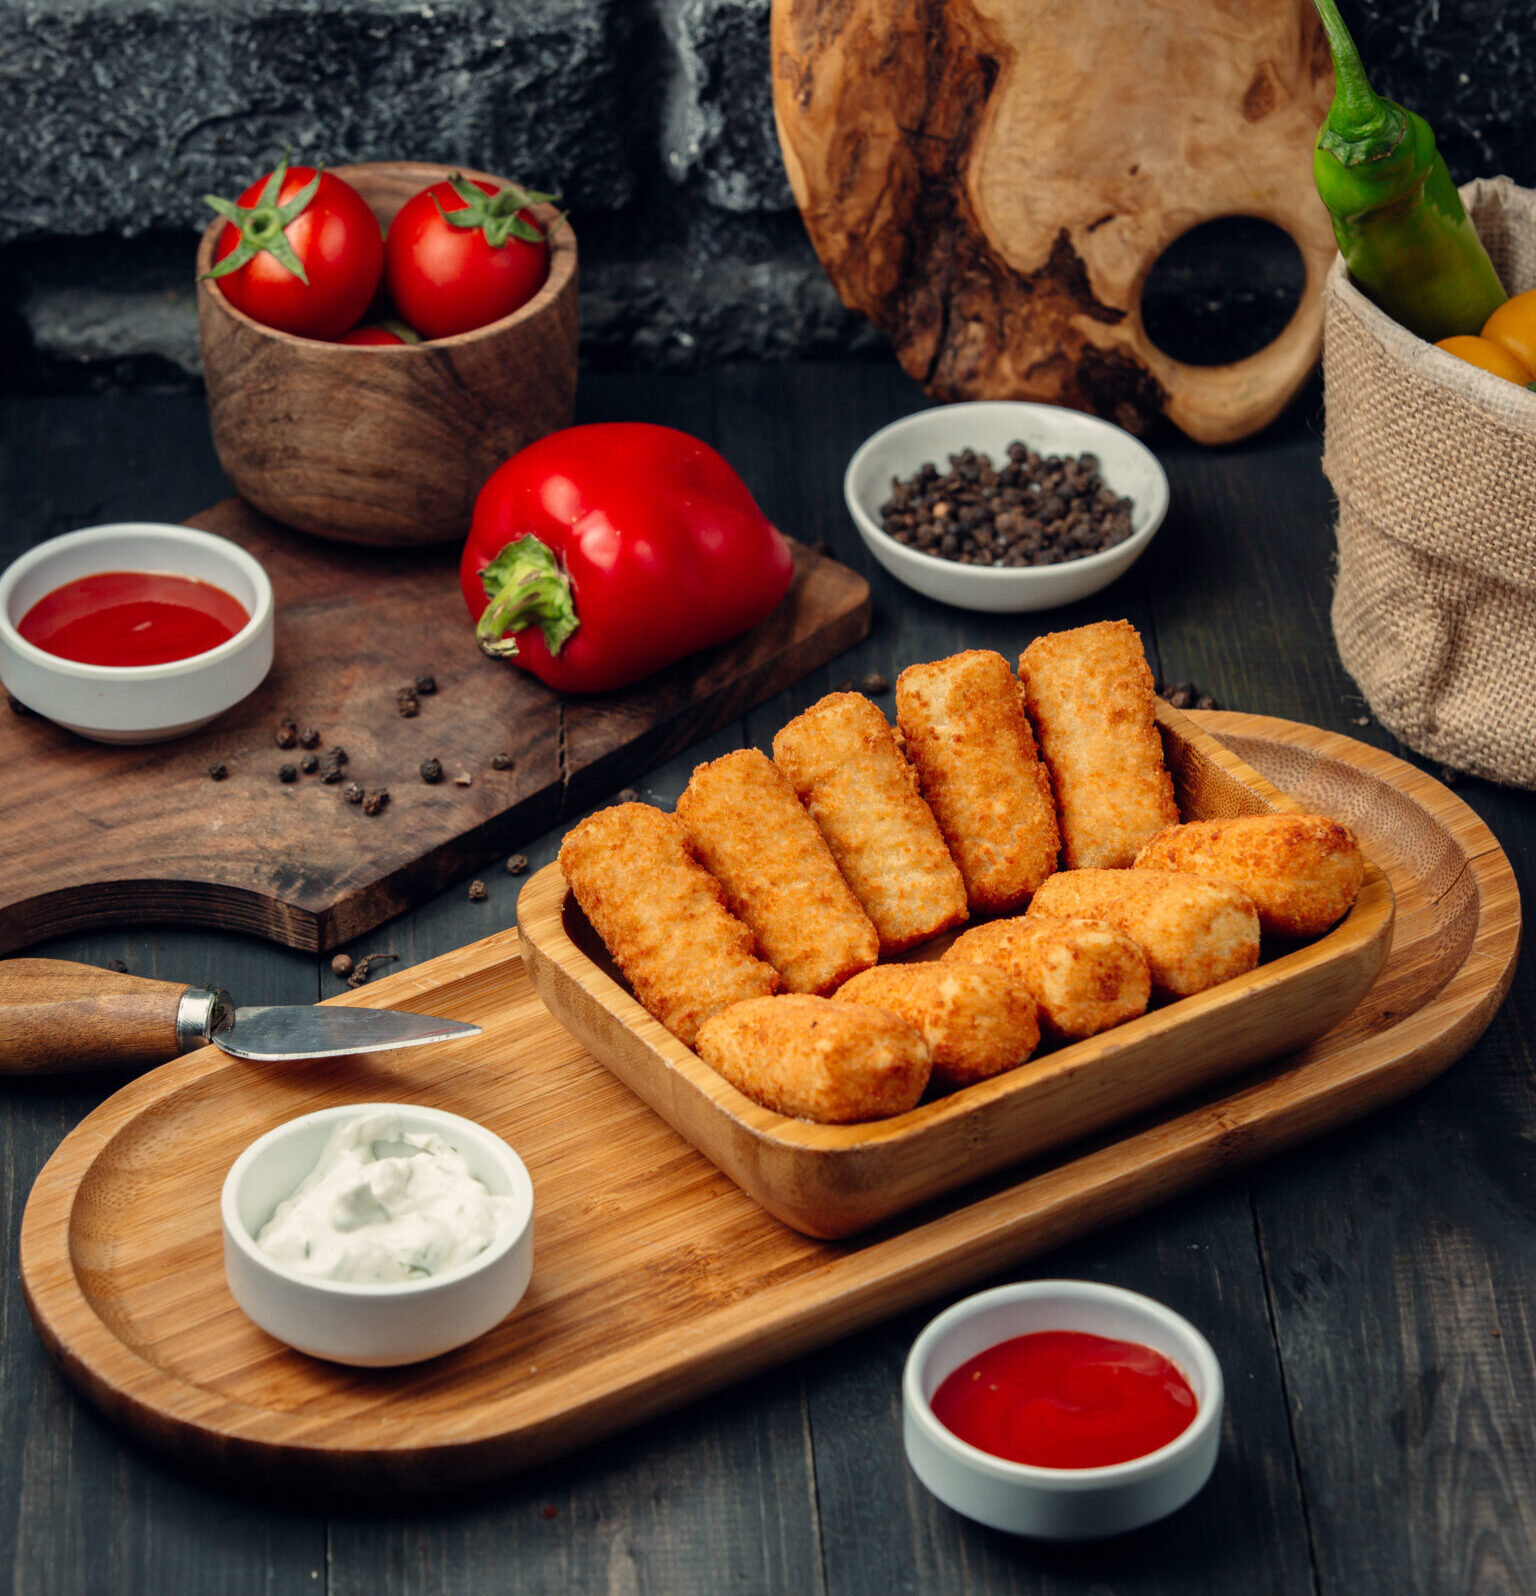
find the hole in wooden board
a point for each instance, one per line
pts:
(1223, 291)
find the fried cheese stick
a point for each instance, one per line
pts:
(1194, 932)
(662, 916)
(975, 1021)
(842, 759)
(752, 834)
(1084, 976)
(967, 734)
(815, 1059)
(1089, 696)
(1302, 871)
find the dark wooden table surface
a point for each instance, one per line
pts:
(1372, 1296)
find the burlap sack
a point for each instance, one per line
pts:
(1434, 465)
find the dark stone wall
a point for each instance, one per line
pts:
(652, 118)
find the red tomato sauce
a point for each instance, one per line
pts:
(1061, 1399)
(132, 618)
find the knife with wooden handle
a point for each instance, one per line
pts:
(57, 1016)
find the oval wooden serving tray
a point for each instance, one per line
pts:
(656, 1279)
(833, 1180)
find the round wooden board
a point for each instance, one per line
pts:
(656, 1279)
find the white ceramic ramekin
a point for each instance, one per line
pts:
(135, 703)
(989, 426)
(1059, 1504)
(373, 1325)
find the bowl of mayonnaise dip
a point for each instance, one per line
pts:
(378, 1233)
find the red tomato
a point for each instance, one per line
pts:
(448, 276)
(332, 238)
(372, 334)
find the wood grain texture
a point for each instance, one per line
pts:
(834, 1180)
(59, 1015)
(990, 183)
(102, 835)
(386, 445)
(657, 1279)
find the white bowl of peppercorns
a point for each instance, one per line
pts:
(1004, 505)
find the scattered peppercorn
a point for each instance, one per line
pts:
(309, 764)
(287, 773)
(341, 965)
(426, 683)
(1185, 695)
(431, 771)
(1032, 510)
(844, 686)
(501, 761)
(374, 802)
(218, 770)
(1449, 778)
(287, 734)
(353, 793)
(406, 703)
(118, 965)
(365, 965)
(477, 892)
(17, 707)
(628, 795)
(875, 683)
(517, 865)
(332, 766)
(309, 738)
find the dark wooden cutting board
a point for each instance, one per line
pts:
(99, 835)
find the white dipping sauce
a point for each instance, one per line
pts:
(384, 1205)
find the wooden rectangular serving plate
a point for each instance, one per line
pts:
(656, 1279)
(834, 1180)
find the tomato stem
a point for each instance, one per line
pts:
(496, 216)
(263, 226)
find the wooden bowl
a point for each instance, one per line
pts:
(386, 445)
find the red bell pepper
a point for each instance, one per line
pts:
(601, 553)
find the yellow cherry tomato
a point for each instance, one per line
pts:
(1487, 354)
(1513, 325)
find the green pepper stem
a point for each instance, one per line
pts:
(1358, 112)
(526, 587)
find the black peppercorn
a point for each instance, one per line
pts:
(431, 771)
(477, 892)
(501, 761)
(309, 738)
(309, 764)
(517, 865)
(628, 795)
(374, 802)
(426, 683)
(407, 705)
(353, 793)
(218, 770)
(287, 734)
(875, 683)
(287, 773)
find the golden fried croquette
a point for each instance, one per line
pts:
(752, 834)
(662, 916)
(1302, 871)
(1194, 932)
(808, 1056)
(975, 1021)
(842, 760)
(967, 734)
(1089, 696)
(1083, 974)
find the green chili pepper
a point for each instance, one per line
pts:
(1401, 226)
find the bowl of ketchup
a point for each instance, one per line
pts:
(135, 632)
(1062, 1409)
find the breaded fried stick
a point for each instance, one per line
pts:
(967, 734)
(1083, 975)
(1090, 699)
(752, 834)
(1302, 871)
(842, 760)
(808, 1056)
(975, 1021)
(1194, 932)
(662, 916)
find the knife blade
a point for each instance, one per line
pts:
(57, 1016)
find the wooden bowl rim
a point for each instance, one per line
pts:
(562, 268)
